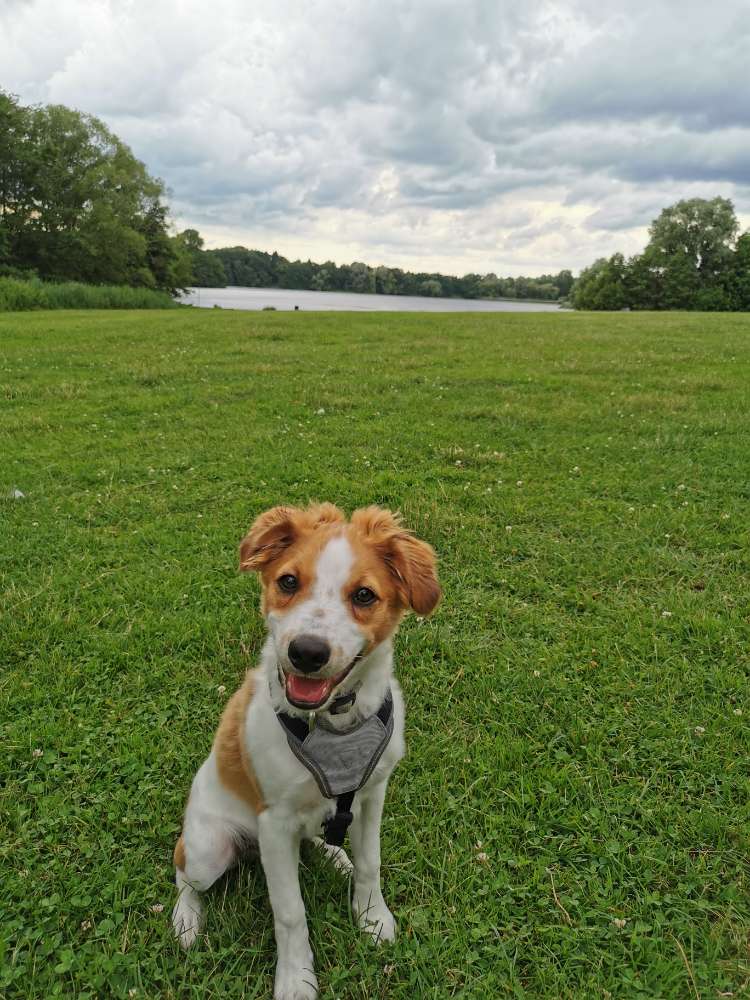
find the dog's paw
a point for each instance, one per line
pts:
(295, 984)
(376, 920)
(187, 917)
(337, 855)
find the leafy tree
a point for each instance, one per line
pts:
(642, 284)
(385, 281)
(564, 282)
(76, 204)
(700, 231)
(14, 167)
(601, 286)
(431, 287)
(738, 279)
(362, 278)
(693, 261)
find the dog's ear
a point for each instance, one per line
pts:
(411, 562)
(269, 534)
(414, 565)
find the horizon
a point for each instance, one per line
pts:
(484, 139)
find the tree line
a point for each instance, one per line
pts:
(76, 204)
(257, 269)
(695, 259)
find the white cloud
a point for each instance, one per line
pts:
(486, 135)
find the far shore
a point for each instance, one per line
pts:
(239, 297)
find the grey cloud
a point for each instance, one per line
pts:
(578, 120)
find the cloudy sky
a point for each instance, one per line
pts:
(456, 135)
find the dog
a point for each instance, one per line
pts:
(307, 744)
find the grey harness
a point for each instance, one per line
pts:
(341, 761)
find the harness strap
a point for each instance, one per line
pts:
(335, 827)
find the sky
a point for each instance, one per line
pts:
(448, 135)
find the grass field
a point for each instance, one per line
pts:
(572, 817)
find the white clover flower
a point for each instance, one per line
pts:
(37, 752)
(619, 922)
(157, 908)
(666, 614)
(738, 711)
(699, 730)
(221, 689)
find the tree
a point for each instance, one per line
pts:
(361, 277)
(431, 287)
(601, 286)
(385, 281)
(76, 204)
(13, 162)
(206, 269)
(738, 279)
(693, 261)
(564, 282)
(699, 232)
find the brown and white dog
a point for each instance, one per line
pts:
(334, 593)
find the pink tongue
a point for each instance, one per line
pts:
(308, 690)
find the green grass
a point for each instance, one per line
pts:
(21, 296)
(574, 705)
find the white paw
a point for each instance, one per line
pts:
(337, 855)
(187, 917)
(295, 984)
(376, 919)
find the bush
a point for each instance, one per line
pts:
(17, 296)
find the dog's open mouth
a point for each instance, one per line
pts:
(312, 692)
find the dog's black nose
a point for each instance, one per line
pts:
(308, 653)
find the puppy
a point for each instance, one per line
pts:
(306, 746)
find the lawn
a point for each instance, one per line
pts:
(572, 818)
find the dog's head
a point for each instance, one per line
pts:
(333, 589)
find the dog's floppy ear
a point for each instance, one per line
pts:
(414, 565)
(412, 562)
(270, 533)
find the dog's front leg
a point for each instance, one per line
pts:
(367, 902)
(279, 854)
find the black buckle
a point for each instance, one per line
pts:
(343, 703)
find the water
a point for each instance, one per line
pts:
(288, 298)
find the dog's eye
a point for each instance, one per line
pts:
(288, 583)
(364, 596)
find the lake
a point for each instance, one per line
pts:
(287, 298)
